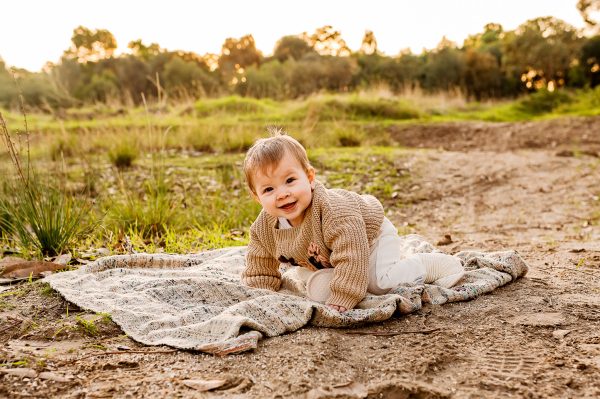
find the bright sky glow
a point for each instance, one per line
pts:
(33, 32)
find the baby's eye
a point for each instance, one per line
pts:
(290, 180)
(267, 190)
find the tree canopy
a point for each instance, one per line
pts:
(541, 53)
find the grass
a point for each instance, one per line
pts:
(184, 191)
(123, 154)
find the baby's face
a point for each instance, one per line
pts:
(285, 190)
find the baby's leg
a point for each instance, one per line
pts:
(388, 267)
(441, 269)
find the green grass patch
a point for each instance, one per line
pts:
(234, 105)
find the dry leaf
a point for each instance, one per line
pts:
(28, 268)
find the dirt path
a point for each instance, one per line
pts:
(538, 337)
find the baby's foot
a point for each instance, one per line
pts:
(442, 269)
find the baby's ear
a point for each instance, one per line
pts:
(311, 177)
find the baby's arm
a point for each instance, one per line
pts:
(262, 269)
(347, 238)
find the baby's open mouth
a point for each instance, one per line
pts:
(288, 206)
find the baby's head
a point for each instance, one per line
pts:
(280, 176)
(266, 153)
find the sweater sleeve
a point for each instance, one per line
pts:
(262, 269)
(347, 238)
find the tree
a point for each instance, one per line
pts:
(369, 43)
(586, 8)
(444, 68)
(67, 75)
(590, 60)
(327, 41)
(269, 80)
(140, 50)
(541, 51)
(8, 90)
(91, 45)
(181, 77)
(490, 40)
(237, 54)
(291, 47)
(483, 76)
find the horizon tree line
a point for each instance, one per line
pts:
(542, 53)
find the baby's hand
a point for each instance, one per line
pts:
(340, 309)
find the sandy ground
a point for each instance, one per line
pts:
(531, 187)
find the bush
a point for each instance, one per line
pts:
(41, 215)
(543, 101)
(355, 109)
(44, 217)
(123, 154)
(148, 216)
(233, 105)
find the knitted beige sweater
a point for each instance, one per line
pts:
(337, 231)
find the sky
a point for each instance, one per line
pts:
(33, 32)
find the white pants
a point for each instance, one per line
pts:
(390, 266)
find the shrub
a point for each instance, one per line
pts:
(232, 105)
(44, 217)
(123, 154)
(148, 215)
(543, 101)
(41, 215)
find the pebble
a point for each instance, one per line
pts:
(560, 334)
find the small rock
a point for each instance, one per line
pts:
(446, 240)
(63, 259)
(102, 251)
(20, 372)
(49, 375)
(204, 385)
(560, 334)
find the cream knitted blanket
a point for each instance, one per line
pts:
(197, 301)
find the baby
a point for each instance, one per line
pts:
(341, 238)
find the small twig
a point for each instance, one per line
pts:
(11, 326)
(574, 216)
(538, 280)
(391, 333)
(123, 352)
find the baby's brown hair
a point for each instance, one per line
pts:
(265, 153)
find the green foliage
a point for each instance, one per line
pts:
(6, 217)
(64, 147)
(291, 47)
(355, 108)
(232, 105)
(148, 214)
(187, 77)
(45, 218)
(87, 326)
(543, 101)
(123, 154)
